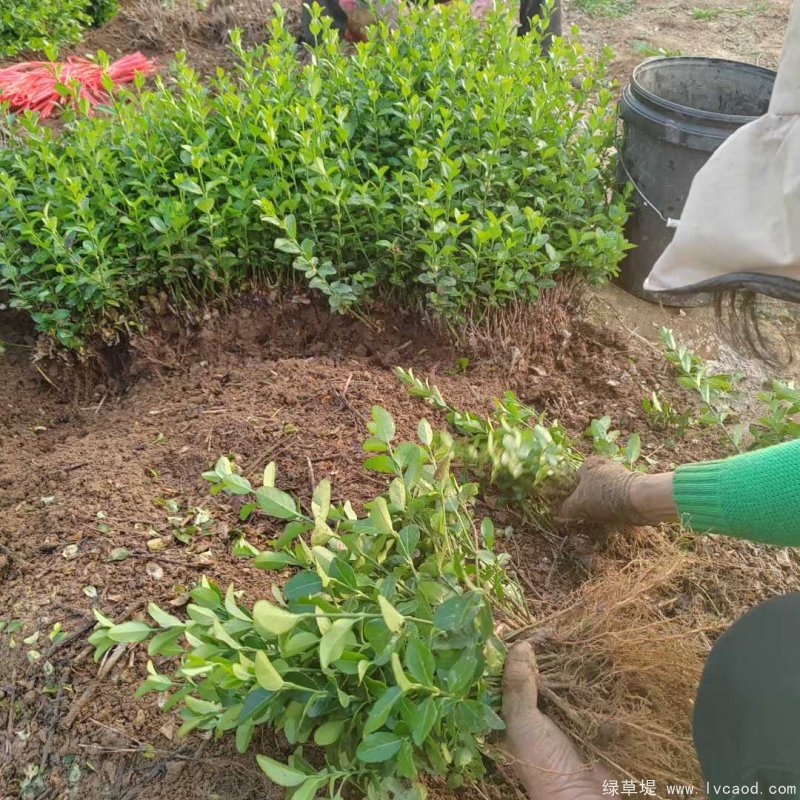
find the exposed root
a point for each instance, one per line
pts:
(513, 333)
(631, 665)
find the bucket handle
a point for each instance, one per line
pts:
(668, 221)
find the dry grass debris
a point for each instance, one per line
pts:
(171, 24)
(620, 665)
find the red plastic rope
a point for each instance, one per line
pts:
(32, 85)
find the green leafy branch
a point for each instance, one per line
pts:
(714, 389)
(378, 643)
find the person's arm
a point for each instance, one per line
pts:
(752, 496)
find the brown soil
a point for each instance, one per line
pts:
(282, 381)
(159, 29)
(743, 30)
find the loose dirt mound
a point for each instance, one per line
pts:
(284, 382)
(159, 29)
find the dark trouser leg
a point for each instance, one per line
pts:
(534, 8)
(329, 7)
(747, 714)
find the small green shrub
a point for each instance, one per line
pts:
(515, 449)
(528, 459)
(36, 25)
(780, 421)
(379, 641)
(380, 648)
(714, 389)
(102, 11)
(446, 165)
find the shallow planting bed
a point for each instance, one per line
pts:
(105, 508)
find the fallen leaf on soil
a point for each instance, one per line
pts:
(156, 544)
(180, 600)
(70, 552)
(154, 571)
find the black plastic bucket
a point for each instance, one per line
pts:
(676, 111)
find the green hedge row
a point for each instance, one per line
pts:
(446, 165)
(44, 24)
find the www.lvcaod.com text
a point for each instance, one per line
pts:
(649, 788)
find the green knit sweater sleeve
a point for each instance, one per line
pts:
(753, 496)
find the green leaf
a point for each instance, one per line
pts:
(282, 774)
(406, 768)
(129, 632)
(493, 720)
(487, 532)
(424, 720)
(270, 472)
(308, 791)
(302, 585)
(460, 675)
(373, 445)
(232, 607)
(287, 246)
(276, 503)
(382, 426)
(378, 747)
(188, 185)
(425, 432)
(382, 463)
(163, 619)
(420, 662)
(470, 716)
(399, 676)
(236, 484)
(243, 548)
(166, 643)
(255, 703)
(329, 733)
(633, 449)
(321, 500)
(201, 707)
(244, 734)
(397, 493)
(456, 613)
(409, 539)
(391, 616)
(223, 466)
(380, 711)
(342, 572)
(269, 559)
(266, 674)
(290, 533)
(332, 643)
(380, 517)
(273, 620)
